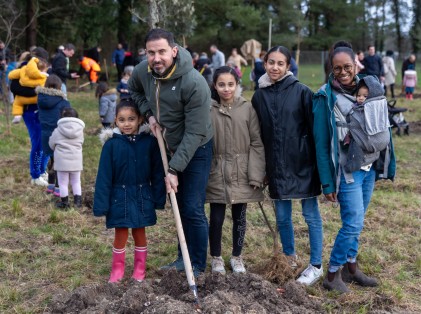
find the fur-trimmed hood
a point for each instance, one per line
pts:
(50, 91)
(265, 81)
(111, 91)
(107, 133)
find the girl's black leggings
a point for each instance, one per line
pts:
(217, 216)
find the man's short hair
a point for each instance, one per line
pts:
(159, 33)
(69, 47)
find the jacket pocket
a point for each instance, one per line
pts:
(145, 200)
(242, 168)
(118, 210)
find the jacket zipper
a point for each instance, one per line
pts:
(158, 111)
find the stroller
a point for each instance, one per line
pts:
(396, 118)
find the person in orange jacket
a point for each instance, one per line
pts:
(89, 66)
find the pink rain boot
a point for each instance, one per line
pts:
(117, 267)
(139, 268)
(411, 97)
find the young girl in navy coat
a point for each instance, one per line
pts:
(129, 186)
(51, 102)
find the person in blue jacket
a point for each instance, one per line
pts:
(129, 186)
(117, 60)
(51, 102)
(353, 190)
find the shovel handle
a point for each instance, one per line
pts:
(176, 212)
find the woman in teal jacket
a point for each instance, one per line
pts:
(353, 191)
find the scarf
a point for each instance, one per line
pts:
(344, 89)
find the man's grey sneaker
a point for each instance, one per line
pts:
(218, 265)
(310, 275)
(178, 264)
(237, 264)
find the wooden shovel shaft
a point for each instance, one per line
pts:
(176, 212)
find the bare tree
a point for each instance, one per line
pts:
(9, 17)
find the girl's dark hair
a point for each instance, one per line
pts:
(69, 113)
(53, 81)
(159, 33)
(128, 103)
(218, 72)
(342, 46)
(280, 49)
(101, 89)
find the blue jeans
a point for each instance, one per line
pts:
(311, 213)
(37, 159)
(353, 200)
(191, 197)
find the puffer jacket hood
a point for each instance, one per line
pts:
(183, 63)
(108, 133)
(71, 127)
(375, 89)
(50, 91)
(265, 81)
(51, 103)
(48, 98)
(111, 92)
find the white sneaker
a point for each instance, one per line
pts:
(16, 119)
(237, 264)
(310, 275)
(44, 176)
(218, 265)
(39, 181)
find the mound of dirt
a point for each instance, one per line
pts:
(246, 293)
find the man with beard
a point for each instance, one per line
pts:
(174, 97)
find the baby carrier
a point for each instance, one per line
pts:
(368, 125)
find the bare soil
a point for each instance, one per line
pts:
(245, 293)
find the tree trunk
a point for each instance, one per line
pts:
(153, 19)
(124, 22)
(31, 21)
(397, 16)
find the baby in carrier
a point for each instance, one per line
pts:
(367, 123)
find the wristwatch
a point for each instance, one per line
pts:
(148, 114)
(172, 171)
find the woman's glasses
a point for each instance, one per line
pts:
(338, 69)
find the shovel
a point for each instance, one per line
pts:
(180, 232)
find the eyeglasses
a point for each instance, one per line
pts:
(338, 69)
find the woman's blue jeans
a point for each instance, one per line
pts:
(311, 213)
(353, 200)
(37, 159)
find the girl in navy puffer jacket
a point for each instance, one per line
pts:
(129, 186)
(51, 102)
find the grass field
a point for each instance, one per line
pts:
(44, 251)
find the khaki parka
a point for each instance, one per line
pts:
(238, 162)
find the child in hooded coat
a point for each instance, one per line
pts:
(129, 186)
(66, 141)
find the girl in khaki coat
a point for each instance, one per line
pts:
(238, 165)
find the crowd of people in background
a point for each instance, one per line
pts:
(288, 138)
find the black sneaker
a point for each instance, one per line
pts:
(178, 264)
